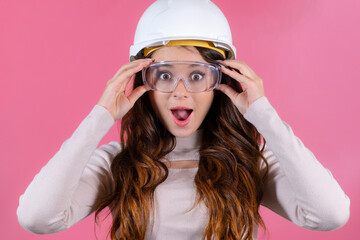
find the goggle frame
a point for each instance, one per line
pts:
(212, 66)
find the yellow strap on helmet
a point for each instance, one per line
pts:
(195, 43)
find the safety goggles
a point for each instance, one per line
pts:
(197, 76)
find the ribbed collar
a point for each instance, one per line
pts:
(187, 148)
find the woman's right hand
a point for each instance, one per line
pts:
(114, 98)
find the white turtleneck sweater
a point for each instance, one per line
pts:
(298, 187)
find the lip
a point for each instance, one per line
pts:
(179, 122)
(180, 107)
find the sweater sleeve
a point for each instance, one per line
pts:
(297, 187)
(69, 185)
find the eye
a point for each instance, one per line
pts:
(165, 76)
(197, 76)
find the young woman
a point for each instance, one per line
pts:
(201, 146)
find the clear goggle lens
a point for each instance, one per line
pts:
(197, 76)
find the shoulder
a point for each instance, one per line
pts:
(110, 148)
(269, 156)
(104, 154)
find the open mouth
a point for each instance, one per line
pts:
(181, 115)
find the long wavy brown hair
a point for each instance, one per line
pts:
(229, 179)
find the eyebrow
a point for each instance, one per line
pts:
(194, 65)
(166, 65)
(171, 66)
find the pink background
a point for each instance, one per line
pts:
(56, 57)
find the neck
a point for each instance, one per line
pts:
(187, 148)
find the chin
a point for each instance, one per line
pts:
(181, 132)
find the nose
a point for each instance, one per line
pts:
(180, 89)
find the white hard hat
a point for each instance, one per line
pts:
(167, 20)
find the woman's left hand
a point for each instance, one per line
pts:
(251, 84)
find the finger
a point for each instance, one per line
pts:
(235, 75)
(129, 74)
(129, 85)
(132, 64)
(137, 93)
(241, 66)
(134, 69)
(229, 91)
(126, 75)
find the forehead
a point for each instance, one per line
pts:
(177, 53)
